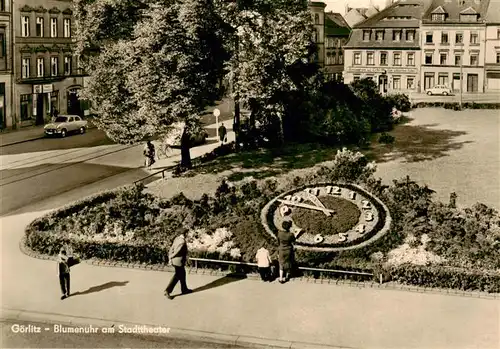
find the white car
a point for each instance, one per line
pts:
(65, 124)
(439, 90)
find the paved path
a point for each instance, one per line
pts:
(297, 311)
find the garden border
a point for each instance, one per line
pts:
(382, 208)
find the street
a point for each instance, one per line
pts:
(455, 98)
(47, 338)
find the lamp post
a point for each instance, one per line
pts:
(217, 114)
(461, 78)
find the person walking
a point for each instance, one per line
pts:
(149, 153)
(264, 263)
(285, 251)
(222, 133)
(177, 256)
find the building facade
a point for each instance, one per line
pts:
(386, 48)
(337, 33)
(453, 45)
(317, 9)
(492, 55)
(46, 72)
(6, 45)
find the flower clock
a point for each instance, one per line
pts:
(328, 217)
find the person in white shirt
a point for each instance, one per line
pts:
(264, 263)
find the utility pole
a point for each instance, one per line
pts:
(461, 78)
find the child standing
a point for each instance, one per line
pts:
(264, 263)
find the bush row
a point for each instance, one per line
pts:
(456, 105)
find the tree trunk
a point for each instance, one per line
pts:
(185, 150)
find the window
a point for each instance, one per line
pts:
(498, 57)
(474, 38)
(428, 58)
(26, 106)
(437, 17)
(474, 60)
(316, 18)
(341, 57)
(442, 58)
(25, 26)
(370, 59)
(379, 35)
(366, 35)
(410, 35)
(410, 59)
(458, 59)
(357, 58)
(383, 58)
(443, 79)
(356, 77)
(498, 33)
(54, 66)
(428, 38)
(410, 83)
(25, 73)
(459, 38)
(53, 27)
(39, 27)
(2, 6)
(444, 38)
(67, 28)
(396, 83)
(3, 47)
(67, 65)
(396, 35)
(40, 67)
(397, 58)
(468, 18)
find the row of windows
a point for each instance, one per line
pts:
(440, 17)
(334, 58)
(396, 82)
(459, 38)
(397, 35)
(40, 66)
(444, 59)
(397, 58)
(40, 27)
(331, 42)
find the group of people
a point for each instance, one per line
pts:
(177, 256)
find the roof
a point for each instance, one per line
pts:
(493, 12)
(335, 25)
(454, 8)
(393, 15)
(353, 17)
(356, 41)
(439, 10)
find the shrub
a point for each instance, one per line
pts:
(399, 101)
(386, 138)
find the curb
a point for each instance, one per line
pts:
(164, 331)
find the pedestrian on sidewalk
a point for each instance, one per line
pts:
(264, 263)
(64, 263)
(223, 133)
(285, 251)
(149, 153)
(177, 256)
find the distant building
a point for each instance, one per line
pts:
(317, 9)
(6, 45)
(453, 40)
(337, 33)
(355, 15)
(46, 72)
(386, 48)
(492, 55)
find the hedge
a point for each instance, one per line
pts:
(456, 105)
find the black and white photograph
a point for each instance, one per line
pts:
(250, 174)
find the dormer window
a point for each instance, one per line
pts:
(366, 35)
(438, 17)
(379, 35)
(468, 15)
(396, 35)
(410, 35)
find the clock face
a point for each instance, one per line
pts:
(328, 216)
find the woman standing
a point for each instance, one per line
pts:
(285, 251)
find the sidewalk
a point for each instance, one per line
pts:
(22, 135)
(242, 311)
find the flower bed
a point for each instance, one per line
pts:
(428, 244)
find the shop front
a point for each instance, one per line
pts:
(388, 80)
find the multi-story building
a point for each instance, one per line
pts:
(492, 55)
(453, 41)
(386, 48)
(5, 63)
(317, 9)
(336, 35)
(47, 75)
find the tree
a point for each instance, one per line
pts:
(154, 65)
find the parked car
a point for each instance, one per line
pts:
(64, 125)
(439, 90)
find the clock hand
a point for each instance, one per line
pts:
(317, 202)
(298, 204)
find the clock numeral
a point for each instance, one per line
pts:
(360, 228)
(296, 198)
(313, 191)
(288, 198)
(368, 216)
(333, 190)
(366, 204)
(352, 195)
(343, 237)
(284, 211)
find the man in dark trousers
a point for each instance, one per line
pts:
(223, 133)
(177, 256)
(63, 264)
